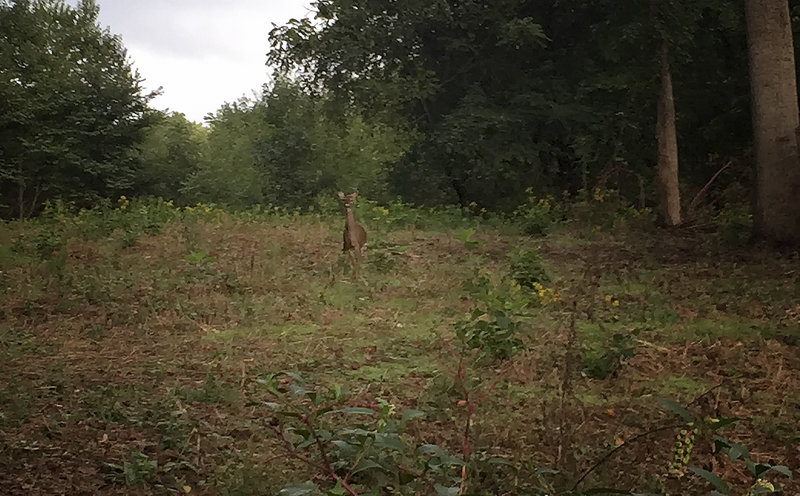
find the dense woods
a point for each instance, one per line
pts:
(436, 103)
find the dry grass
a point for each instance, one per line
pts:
(155, 348)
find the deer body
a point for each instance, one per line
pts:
(355, 236)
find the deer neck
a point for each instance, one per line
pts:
(350, 219)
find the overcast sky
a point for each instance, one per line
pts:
(203, 52)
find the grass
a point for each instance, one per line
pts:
(129, 358)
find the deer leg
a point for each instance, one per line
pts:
(353, 260)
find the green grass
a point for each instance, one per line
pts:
(143, 354)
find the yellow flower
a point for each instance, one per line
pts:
(615, 303)
(598, 195)
(473, 204)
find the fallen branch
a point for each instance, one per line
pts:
(700, 194)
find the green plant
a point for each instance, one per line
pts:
(494, 324)
(137, 468)
(355, 450)
(734, 224)
(527, 268)
(734, 451)
(606, 363)
(466, 236)
(538, 215)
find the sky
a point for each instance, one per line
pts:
(202, 52)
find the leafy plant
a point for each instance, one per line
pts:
(527, 268)
(538, 215)
(493, 326)
(137, 468)
(735, 225)
(355, 450)
(466, 236)
(619, 348)
(734, 451)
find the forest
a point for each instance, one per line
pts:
(570, 262)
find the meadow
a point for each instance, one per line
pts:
(149, 350)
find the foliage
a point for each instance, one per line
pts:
(527, 268)
(734, 451)
(172, 150)
(355, 449)
(606, 363)
(494, 324)
(538, 215)
(71, 108)
(734, 224)
(286, 151)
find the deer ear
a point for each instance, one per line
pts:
(341, 195)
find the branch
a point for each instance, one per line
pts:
(704, 189)
(611, 453)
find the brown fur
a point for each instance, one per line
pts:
(354, 237)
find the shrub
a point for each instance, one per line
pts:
(527, 268)
(495, 322)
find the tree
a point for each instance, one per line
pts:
(71, 108)
(173, 148)
(775, 120)
(283, 149)
(461, 75)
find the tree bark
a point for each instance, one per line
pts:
(775, 121)
(669, 195)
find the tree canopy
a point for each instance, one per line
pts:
(71, 108)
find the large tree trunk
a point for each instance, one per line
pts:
(775, 121)
(669, 195)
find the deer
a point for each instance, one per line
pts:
(355, 237)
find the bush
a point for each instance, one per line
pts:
(495, 322)
(734, 224)
(537, 216)
(527, 268)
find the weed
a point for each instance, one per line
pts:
(137, 469)
(606, 363)
(527, 268)
(494, 325)
(735, 225)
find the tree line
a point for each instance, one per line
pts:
(446, 102)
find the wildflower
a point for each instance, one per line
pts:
(598, 195)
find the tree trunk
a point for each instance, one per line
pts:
(669, 195)
(775, 121)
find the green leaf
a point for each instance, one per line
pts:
(713, 479)
(446, 491)
(297, 390)
(782, 469)
(676, 408)
(411, 415)
(368, 465)
(715, 426)
(297, 377)
(501, 461)
(357, 411)
(389, 441)
(431, 449)
(306, 489)
(737, 452)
